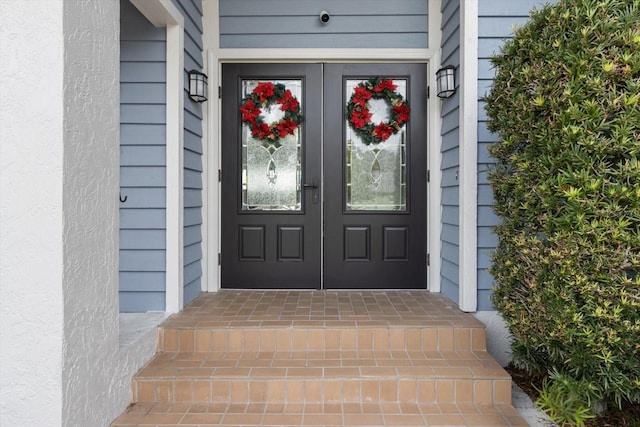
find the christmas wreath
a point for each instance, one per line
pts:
(265, 95)
(359, 116)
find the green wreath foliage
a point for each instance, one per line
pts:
(566, 107)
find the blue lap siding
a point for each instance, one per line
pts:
(193, 163)
(496, 20)
(296, 24)
(450, 115)
(143, 160)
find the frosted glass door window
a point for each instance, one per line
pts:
(271, 171)
(376, 174)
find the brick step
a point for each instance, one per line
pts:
(427, 377)
(283, 336)
(312, 358)
(328, 414)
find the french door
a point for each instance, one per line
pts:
(310, 199)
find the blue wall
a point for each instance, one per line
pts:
(450, 155)
(496, 19)
(294, 24)
(142, 162)
(193, 59)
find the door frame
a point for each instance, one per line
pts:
(215, 57)
(213, 192)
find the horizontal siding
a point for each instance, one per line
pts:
(130, 302)
(192, 272)
(143, 155)
(142, 219)
(143, 114)
(508, 8)
(193, 288)
(192, 253)
(192, 198)
(142, 162)
(192, 235)
(132, 260)
(143, 50)
(142, 239)
(148, 93)
(193, 159)
(296, 24)
(345, 24)
(193, 150)
(142, 281)
(450, 163)
(484, 300)
(318, 41)
(496, 21)
(145, 198)
(192, 216)
(144, 72)
(277, 8)
(143, 176)
(142, 134)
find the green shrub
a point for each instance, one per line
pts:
(566, 107)
(563, 400)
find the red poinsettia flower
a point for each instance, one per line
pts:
(361, 96)
(385, 84)
(264, 90)
(260, 132)
(383, 131)
(288, 101)
(287, 127)
(360, 118)
(402, 113)
(249, 111)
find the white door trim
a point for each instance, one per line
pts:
(162, 13)
(218, 56)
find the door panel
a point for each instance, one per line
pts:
(271, 228)
(368, 204)
(375, 195)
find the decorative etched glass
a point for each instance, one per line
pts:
(376, 178)
(271, 171)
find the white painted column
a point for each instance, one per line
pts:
(468, 274)
(434, 154)
(212, 149)
(175, 168)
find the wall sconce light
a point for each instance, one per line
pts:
(446, 81)
(197, 86)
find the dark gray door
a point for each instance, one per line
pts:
(375, 194)
(271, 207)
(358, 223)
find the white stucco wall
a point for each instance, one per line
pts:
(61, 362)
(90, 209)
(31, 164)
(498, 336)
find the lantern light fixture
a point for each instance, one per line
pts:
(197, 86)
(446, 81)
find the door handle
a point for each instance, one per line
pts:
(314, 195)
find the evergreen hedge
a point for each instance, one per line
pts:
(566, 107)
